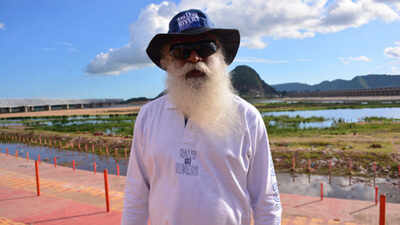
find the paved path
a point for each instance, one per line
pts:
(69, 197)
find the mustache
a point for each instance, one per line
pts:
(200, 66)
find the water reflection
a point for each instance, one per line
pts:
(303, 125)
(302, 184)
(339, 187)
(347, 115)
(83, 160)
(334, 115)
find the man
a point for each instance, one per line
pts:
(200, 154)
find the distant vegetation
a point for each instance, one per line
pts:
(358, 82)
(112, 124)
(295, 106)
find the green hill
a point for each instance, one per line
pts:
(248, 83)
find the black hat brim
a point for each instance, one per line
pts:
(229, 39)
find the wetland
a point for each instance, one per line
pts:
(322, 132)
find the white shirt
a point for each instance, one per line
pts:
(180, 175)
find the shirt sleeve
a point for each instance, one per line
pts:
(261, 181)
(135, 211)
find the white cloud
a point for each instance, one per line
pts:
(395, 70)
(255, 19)
(259, 60)
(68, 46)
(347, 60)
(393, 52)
(395, 3)
(2, 26)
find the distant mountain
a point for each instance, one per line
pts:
(136, 100)
(358, 82)
(248, 83)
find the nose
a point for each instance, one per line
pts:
(194, 57)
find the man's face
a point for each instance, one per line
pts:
(198, 83)
(191, 51)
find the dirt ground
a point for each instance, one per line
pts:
(94, 111)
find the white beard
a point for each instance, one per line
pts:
(206, 101)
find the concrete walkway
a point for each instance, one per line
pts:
(69, 197)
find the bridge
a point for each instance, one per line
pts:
(34, 105)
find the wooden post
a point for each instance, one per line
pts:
(398, 168)
(106, 190)
(293, 163)
(37, 178)
(350, 165)
(382, 210)
(92, 147)
(322, 191)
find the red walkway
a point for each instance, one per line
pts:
(69, 197)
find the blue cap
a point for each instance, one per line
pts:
(192, 19)
(194, 22)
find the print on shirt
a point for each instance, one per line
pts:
(186, 168)
(275, 189)
(275, 192)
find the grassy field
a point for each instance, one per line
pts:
(296, 106)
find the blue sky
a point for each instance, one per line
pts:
(95, 49)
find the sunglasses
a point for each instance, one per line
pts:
(202, 48)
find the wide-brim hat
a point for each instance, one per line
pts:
(191, 23)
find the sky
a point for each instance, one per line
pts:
(75, 49)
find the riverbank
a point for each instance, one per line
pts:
(348, 154)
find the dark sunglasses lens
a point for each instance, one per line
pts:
(203, 49)
(179, 52)
(207, 49)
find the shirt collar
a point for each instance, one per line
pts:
(169, 104)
